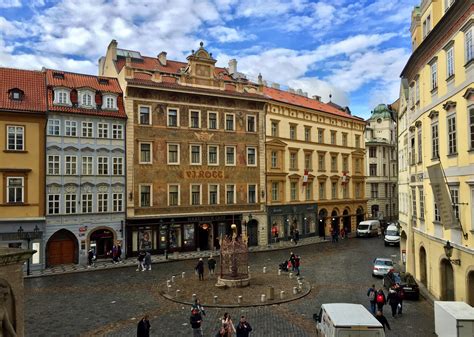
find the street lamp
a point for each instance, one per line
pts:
(448, 250)
(26, 236)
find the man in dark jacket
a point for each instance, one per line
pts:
(381, 318)
(211, 263)
(196, 320)
(200, 269)
(143, 328)
(243, 328)
(371, 293)
(393, 301)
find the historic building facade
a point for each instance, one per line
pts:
(436, 139)
(22, 159)
(85, 166)
(195, 146)
(315, 156)
(381, 164)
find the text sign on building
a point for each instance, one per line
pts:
(203, 174)
(442, 197)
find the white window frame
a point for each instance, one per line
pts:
(255, 156)
(293, 131)
(275, 191)
(70, 203)
(87, 165)
(22, 187)
(117, 166)
(150, 122)
(208, 120)
(87, 129)
(454, 193)
(104, 162)
(468, 45)
(18, 131)
(179, 194)
(191, 162)
(117, 202)
(191, 200)
(450, 62)
(248, 194)
(470, 123)
(254, 123)
(103, 130)
(84, 96)
(70, 128)
(70, 166)
(54, 203)
(106, 99)
(102, 202)
(168, 154)
(199, 119)
(54, 164)
(274, 159)
(451, 134)
(87, 203)
(140, 194)
(234, 160)
(62, 96)
(209, 163)
(117, 131)
(168, 118)
(293, 190)
(54, 127)
(234, 194)
(434, 75)
(140, 161)
(233, 122)
(209, 194)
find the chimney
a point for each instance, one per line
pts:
(265, 83)
(305, 94)
(113, 49)
(276, 85)
(291, 90)
(317, 98)
(162, 58)
(299, 92)
(233, 66)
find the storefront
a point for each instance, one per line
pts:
(179, 234)
(285, 218)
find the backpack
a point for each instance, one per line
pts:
(379, 298)
(371, 295)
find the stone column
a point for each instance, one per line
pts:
(12, 289)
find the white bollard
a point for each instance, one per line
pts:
(182, 274)
(279, 272)
(215, 299)
(264, 270)
(239, 299)
(282, 295)
(291, 275)
(173, 279)
(168, 283)
(263, 298)
(169, 288)
(295, 290)
(177, 292)
(194, 297)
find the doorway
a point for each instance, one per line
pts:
(61, 248)
(346, 221)
(321, 220)
(203, 236)
(359, 215)
(252, 232)
(423, 267)
(101, 241)
(470, 288)
(447, 281)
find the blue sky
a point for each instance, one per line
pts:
(352, 49)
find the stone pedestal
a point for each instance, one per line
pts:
(11, 290)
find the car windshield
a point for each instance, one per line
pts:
(363, 226)
(392, 233)
(383, 263)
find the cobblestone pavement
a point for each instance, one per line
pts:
(109, 302)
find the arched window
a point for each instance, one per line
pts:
(109, 102)
(86, 99)
(61, 96)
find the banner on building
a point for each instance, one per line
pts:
(442, 197)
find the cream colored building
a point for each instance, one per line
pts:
(436, 122)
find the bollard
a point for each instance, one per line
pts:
(282, 295)
(182, 274)
(295, 290)
(168, 283)
(262, 298)
(215, 299)
(264, 270)
(173, 279)
(169, 288)
(291, 275)
(279, 272)
(239, 299)
(194, 297)
(177, 292)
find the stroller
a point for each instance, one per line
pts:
(283, 266)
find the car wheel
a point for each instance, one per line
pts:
(386, 244)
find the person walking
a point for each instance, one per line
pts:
(140, 260)
(200, 269)
(119, 253)
(147, 261)
(196, 322)
(211, 263)
(227, 321)
(292, 261)
(243, 328)
(371, 292)
(296, 236)
(297, 265)
(383, 320)
(343, 233)
(90, 258)
(393, 301)
(380, 299)
(222, 331)
(197, 305)
(143, 328)
(401, 296)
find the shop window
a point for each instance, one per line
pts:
(175, 236)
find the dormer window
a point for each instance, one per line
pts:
(16, 94)
(109, 102)
(86, 98)
(61, 96)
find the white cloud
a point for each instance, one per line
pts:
(10, 3)
(226, 34)
(315, 86)
(265, 8)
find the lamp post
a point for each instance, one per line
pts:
(448, 250)
(26, 236)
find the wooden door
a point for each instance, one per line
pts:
(61, 251)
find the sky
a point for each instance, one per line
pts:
(353, 50)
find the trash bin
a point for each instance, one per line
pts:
(271, 293)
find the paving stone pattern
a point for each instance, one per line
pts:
(109, 302)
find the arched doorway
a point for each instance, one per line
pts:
(423, 267)
(252, 232)
(359, 215)
(403, 246)
(470, 288)
(101, 241)
(322, 215)
(447, 281)
(335, 220)
(61, 248)
(346, 221)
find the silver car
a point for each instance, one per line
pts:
(382, 266)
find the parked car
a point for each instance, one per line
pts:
(368, 228)
(382, 266)
(406, 281)
(392, 236)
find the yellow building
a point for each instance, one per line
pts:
(314, 165)
(22, 159)
(436, 130)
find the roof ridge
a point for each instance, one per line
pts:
(21, 69)
(80, 74)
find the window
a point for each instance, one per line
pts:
(455, 200)
(417, 91)
(412, 150)
(450, 62)
(230, 194)
(373, 170)
(102, 165)
(213, 194)
(109, 103)
(320, 136)
(251, 156)
(357, 165)
(117, 163)
(308, 161)
(333, 137)
(103, 130)
(71, 203)
(16, 94)
(145, 153)
(413, 202)
(87, 169)
(358, 190)
(16, 138)
(102, 202)
(212, 155)
(145, 195)
(293, 191)
(434, 76)
(468, 45)
(252, 194)
(420, 146)
(195, 194)
(372, 152)
(471, 127)
(117, 131)
(292, 132)
(53, 204)
(144, 115)
(437, 215)
(293, 160)
(334, 190)
(274, 128)
(374, 191)
(173, 153)
(384, 170)
(345, 164)
(70, 165)
(194, 119)
(321, 162)
(275, 191)
(86, 99)
(251, 125)
(195, 151)
(452, 147)
(357, 141)
(334, 163)
(274, 159)
(309, 191)
(212, 121)
(70, 128)
(117, 202)
(344, 139)
(322, 190)
(87, 129)
(86, 202)
(230, 155)
(173, 117)
(383, 153)
(54, 164)
(307, 134)
(229, 122)
(54, 127)
(422, 202)
(61, 96)
(345, 191)
(173, 195)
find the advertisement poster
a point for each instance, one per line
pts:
(145, 240)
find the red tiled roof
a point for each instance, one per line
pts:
(76, 81)
(33, 85)
(295, 99)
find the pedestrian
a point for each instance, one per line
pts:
(297, 265)
(140, 259)
(401, 296)
(200, 269)
(334, 234)
(119, 253)
(143, 328)
(380, 299)
(211, 263)
(196, 322)
(343, 233)
(243, 328)
(222, 331)
(147, 261)
(296, 236)
(371, 295)
(114, 254)
(90, 258)
(197, 305)
(393, 301)
(382, 319)
(227, 321)
(292, 261)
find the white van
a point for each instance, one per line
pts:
(347, 319)
(368, 228)
(392, 236)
